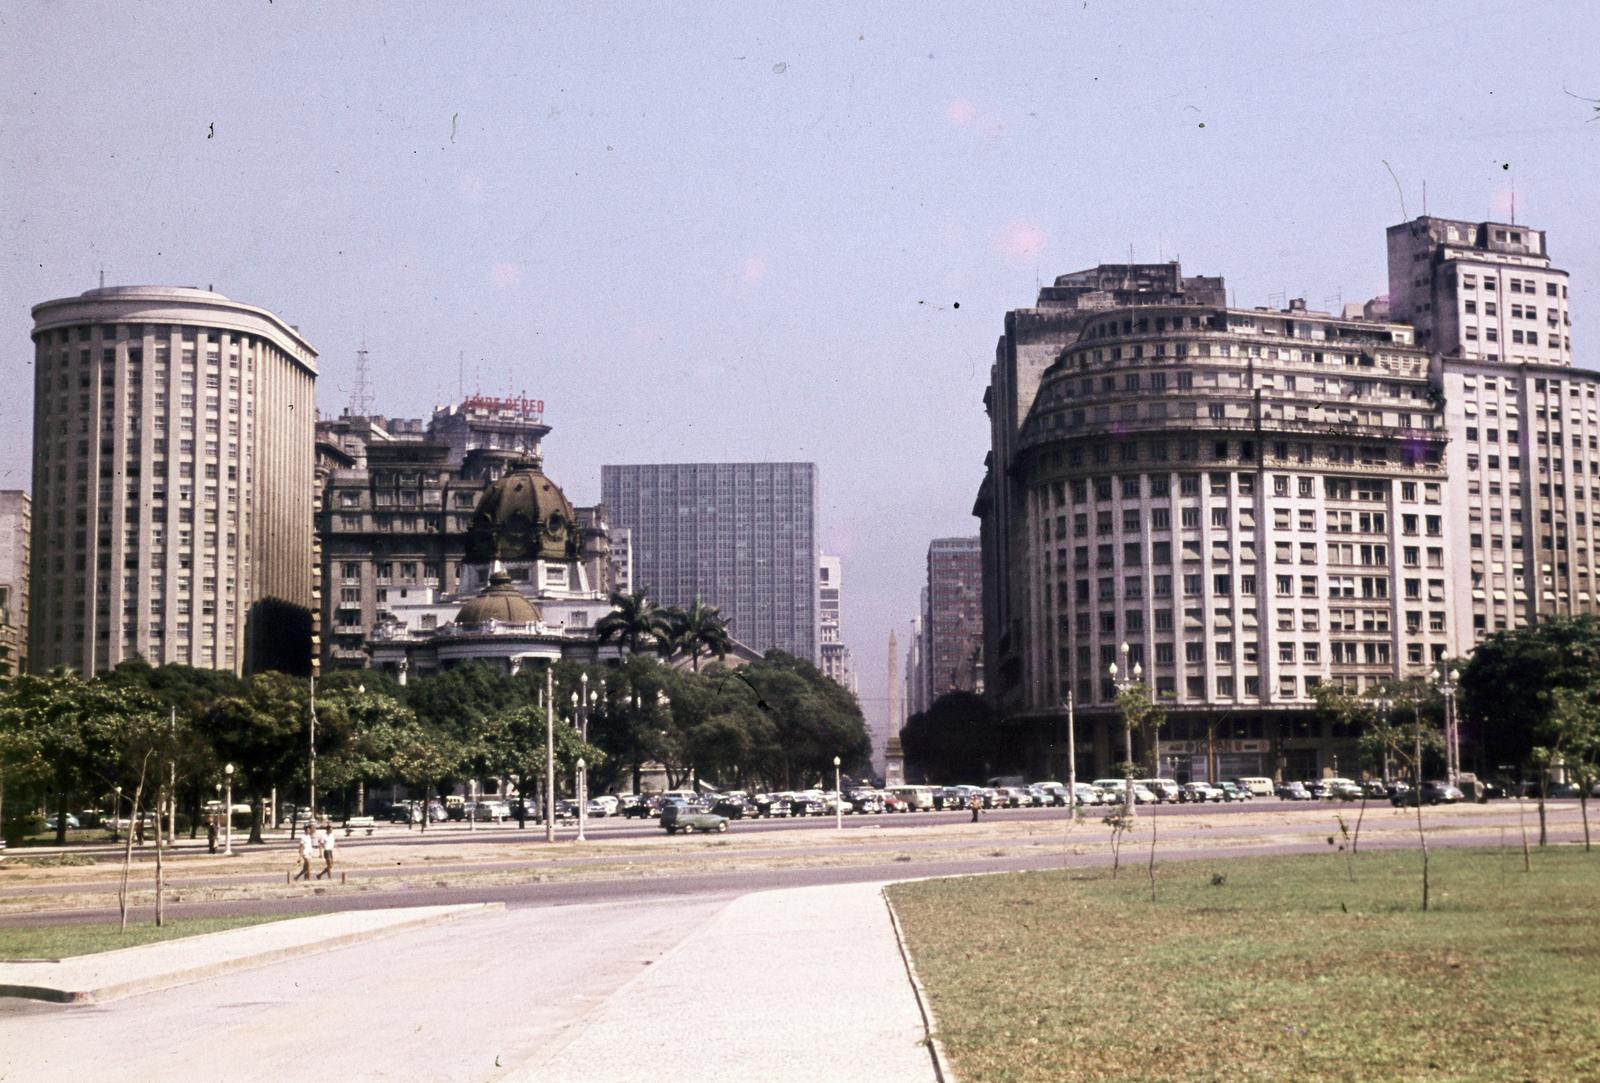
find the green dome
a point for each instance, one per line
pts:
(499, 601)
(522, 516)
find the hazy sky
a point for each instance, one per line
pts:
(743, 230)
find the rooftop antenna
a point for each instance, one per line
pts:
(361, 393)
(461, 375)
(1424, 198)
(102, 276)
(1513, 202)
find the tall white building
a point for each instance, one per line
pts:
(836, 662)
(172, 482)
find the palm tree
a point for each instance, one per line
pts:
(635, 622)
(700, 627)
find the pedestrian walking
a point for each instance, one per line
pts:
(211, 834)
(307, 848)
(975, 803)
(326, 845)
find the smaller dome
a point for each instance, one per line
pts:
(498, 601)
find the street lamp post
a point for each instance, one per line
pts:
(581, 785)
(227, 812)
(1072, 757)
(1383, 706)
(1127, 729)
(1447, 679)
(549, 753)
(838, 798)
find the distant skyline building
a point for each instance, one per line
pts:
(16, 532)
(836, 663)
(952, 619)
(895, 720)
(172, 482)
(740, 536)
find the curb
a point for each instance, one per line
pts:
(941, 1062)
(185, 975)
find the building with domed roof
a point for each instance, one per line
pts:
(533, 584)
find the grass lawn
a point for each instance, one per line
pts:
(64, 941)
(1284, 969)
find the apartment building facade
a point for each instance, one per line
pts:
(1239, 504)
(172, 482)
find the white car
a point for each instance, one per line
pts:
(1201, 792)
(604, 805)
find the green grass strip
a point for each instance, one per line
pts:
(65, 941)
(1267, 969)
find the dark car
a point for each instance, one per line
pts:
(678, 817)
(734, 808)
(1430, 793)
(1293, 791)
(805, 806)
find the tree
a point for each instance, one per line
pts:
(955, 740)
(513, 745)
(1403, 735)
(1506, 685)
(699, 628)
(264, 732)
(637, 622)
(1568, 733)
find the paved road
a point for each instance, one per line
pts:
(457, 1002)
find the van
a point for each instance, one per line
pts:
(914, 798)
(1258, 787)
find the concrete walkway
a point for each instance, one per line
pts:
(108, 975)
(802, 984)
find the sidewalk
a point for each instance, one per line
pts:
(108, 975)
(798, 984)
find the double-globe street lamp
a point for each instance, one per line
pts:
(1133, 678)
(1447, 681)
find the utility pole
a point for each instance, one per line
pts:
(549, 752)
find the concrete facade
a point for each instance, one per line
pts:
(836, 663)
(172, 482)
(1244, 503)
(739, 536)
(16, 534)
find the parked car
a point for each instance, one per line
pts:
(610, 804)
(50, 821)
(865, 801)
(1085, 794)
(1231, 791)
(491, 812)
(677, 818)
(1431, 792)
(1343, 789)
(1317, 788)
(805, 804)
(1293, 791)
(732, 806)
(1199, 793)
(1376, 789)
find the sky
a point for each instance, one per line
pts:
(759, 231)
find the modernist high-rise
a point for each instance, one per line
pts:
(740, 536)
(1238, 504)
(952, 619)
(16, 533)
(172, 482)
(835, 662)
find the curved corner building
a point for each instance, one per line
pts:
(172, 482)
(1251, 500)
